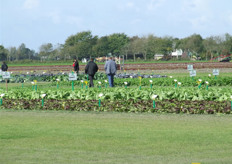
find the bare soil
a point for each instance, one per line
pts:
(157, 67)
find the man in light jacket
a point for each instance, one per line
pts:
(110, 68)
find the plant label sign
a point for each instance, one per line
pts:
(5, 75)
(190, 67)
(193, 73)
(72, 76)
(215, 72)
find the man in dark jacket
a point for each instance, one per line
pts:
(90, 69)
(76, 66)
(4, 67)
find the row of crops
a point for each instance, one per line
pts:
(121, 78)
(133, 93)
(48, 77)
(112, 94)
(185, 81)
(168, 100)
(166, 106)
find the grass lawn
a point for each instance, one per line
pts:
(92, 137)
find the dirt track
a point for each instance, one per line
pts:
(143, 66)
(163, 66)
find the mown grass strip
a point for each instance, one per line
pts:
(92, 137)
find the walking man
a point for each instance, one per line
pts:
(110, 68)
(90, 69)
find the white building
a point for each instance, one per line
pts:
(158, 56)
(177, 53)
(84, 60)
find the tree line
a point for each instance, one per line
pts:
(84, 45)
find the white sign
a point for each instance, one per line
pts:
(190, 67)
(72, 76)
(216, 72)
(5, 75)
(193, 73)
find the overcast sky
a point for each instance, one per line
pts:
(36, 22)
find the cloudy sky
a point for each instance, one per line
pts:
(36, 22)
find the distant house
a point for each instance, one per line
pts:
(177, 53)
(43, 58)
(158, 56)
(84, 60)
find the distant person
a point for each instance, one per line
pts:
(110, 68)
(90, 69)
(4, 67)
(76, 66)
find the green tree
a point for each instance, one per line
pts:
(158, 45)
(12, 53)
(125, 50)
(228, 43)
(134, 46)
(80, 45)
(151, 46)
(221, 45)
(101, 48)
(116, 42)
(164, 45)
(193, 44)
(3, 53)
(21, 52)
(45, 51)
(211, 47)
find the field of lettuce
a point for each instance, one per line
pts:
(132, 93)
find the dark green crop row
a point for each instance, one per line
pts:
(165, 106)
